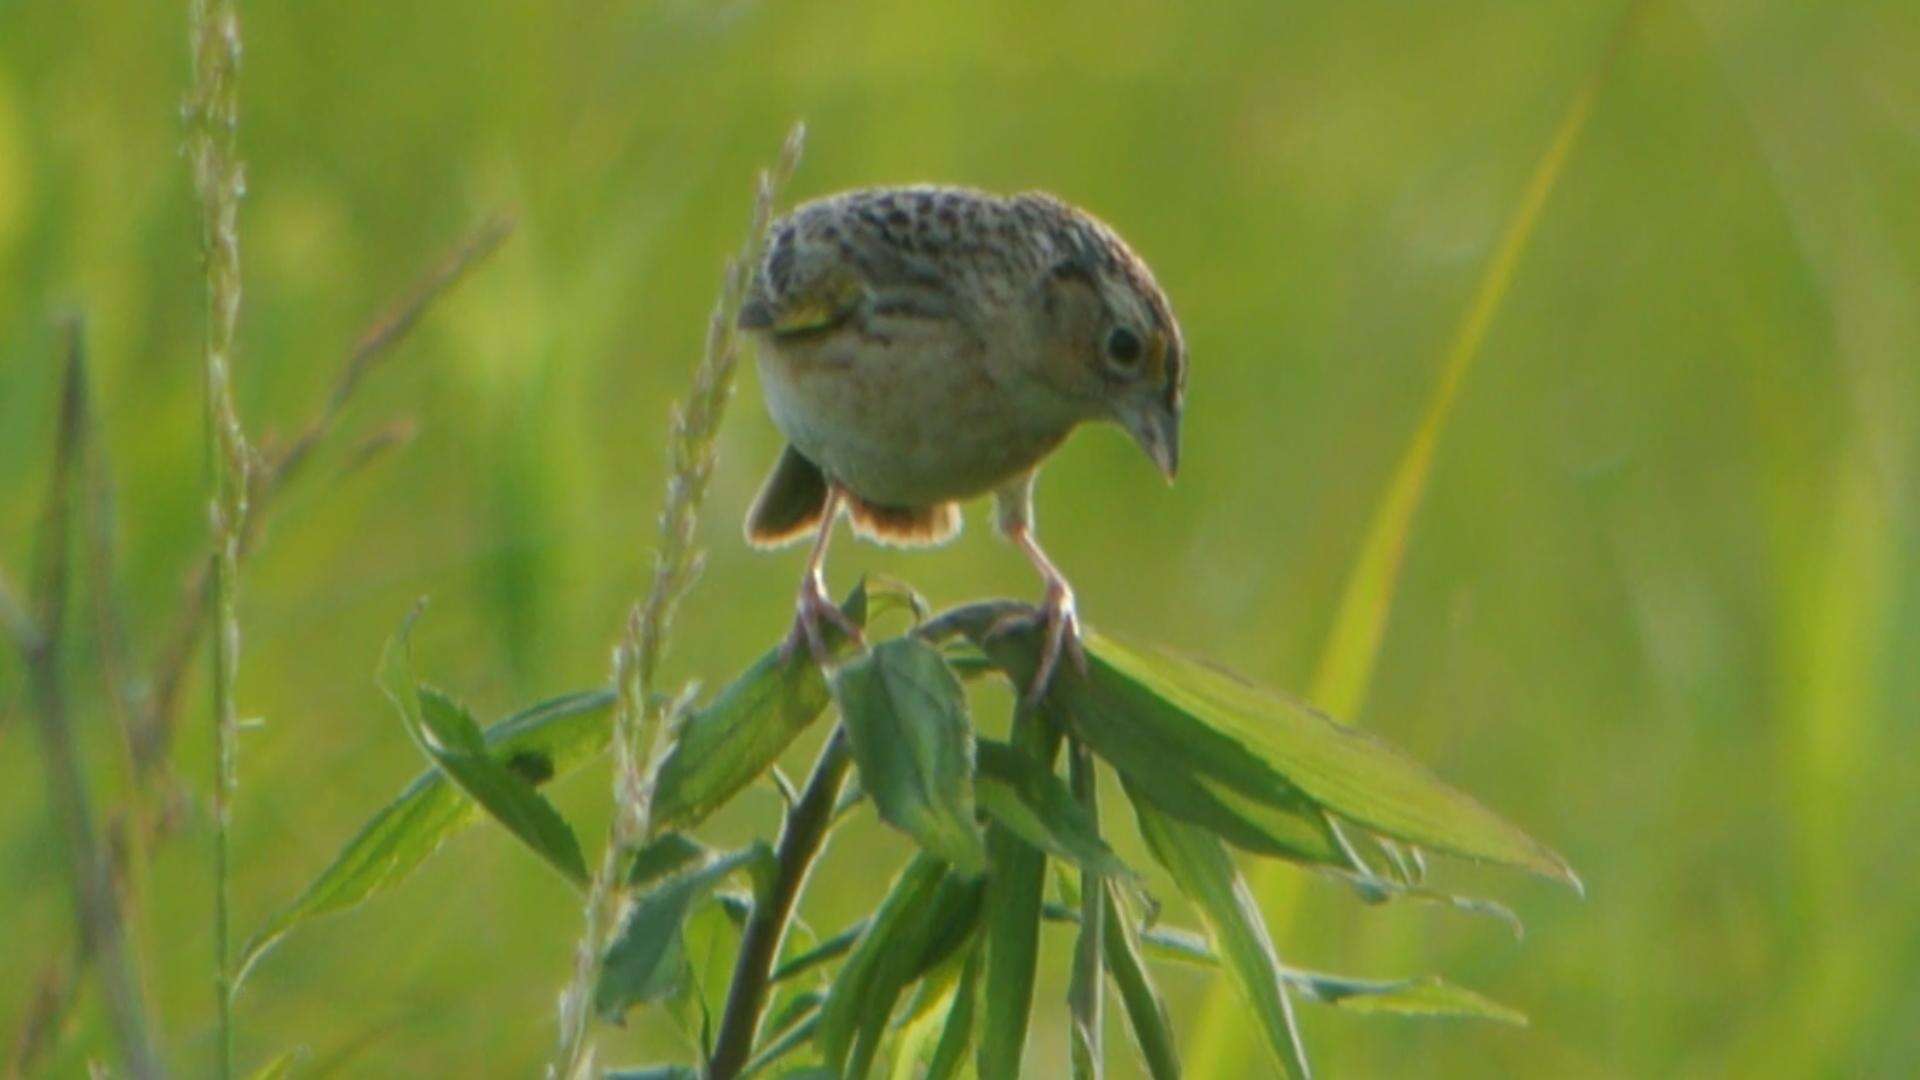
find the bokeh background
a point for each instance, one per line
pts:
(1660, 603)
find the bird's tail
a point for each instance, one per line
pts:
(790, 503)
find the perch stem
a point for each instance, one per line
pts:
(802, 837)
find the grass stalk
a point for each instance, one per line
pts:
(640, 714)
(1352, 649)
(103, 935)
(153, 737)
(213, 28)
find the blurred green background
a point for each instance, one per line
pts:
(1660, 604)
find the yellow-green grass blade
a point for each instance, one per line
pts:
(1346, 664)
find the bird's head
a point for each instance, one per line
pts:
(1116, 342)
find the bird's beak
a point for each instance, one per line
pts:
(1157, 430)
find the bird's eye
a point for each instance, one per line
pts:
(1123, 347)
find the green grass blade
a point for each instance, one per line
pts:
(950, 1053)
(1016, 878)
(1146, 1009)
(1200, 867)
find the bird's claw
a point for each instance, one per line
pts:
(1059, 624)
(810, 607)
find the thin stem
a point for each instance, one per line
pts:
(219, 180)
(802, 836)
(102, 930)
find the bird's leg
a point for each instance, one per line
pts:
(1059, 621)
(812, 604)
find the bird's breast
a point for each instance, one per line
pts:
(907, 415)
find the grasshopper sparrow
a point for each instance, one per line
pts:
(923, 345)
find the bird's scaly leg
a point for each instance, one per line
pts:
(812, 604)
(1058, 619)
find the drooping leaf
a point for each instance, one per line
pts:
(913, 741)
(447, 733)
(1347, 770)
(1016, 881)
(648, 960)
(1146, 1009)
(1209, 748)
(550, 739)
(1018, 793)
(1203, 872)
(728, 743)
(928, 912)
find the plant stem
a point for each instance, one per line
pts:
(802, 836)
(102, 931)
(214, 32)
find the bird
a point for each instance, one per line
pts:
(918, 346)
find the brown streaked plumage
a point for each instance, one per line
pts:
(923, 345)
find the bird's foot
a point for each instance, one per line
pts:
(812, 606)
(1059, 624)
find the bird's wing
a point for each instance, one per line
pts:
(805, 286)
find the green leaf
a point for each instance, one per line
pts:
(1029, 800)
(1146, 1009)
(950, 1053)
(1206, 875)
(654, 1072)
(1347, 770)
(549, 739)
(912, 738)
(1016, 879)
(737, 737)
(1187, 770)
(446, 732)
(1425, 995)
(648, 960)
(1214, 750)
(663, 855)
(928, 913)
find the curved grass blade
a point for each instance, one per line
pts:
(928, 912)
(1146, 1009)
(912, 738)
(1202, 870)
(1086, 1043)
(547, 740)
(734, 739)
(1016, 792)
(950, 1053)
